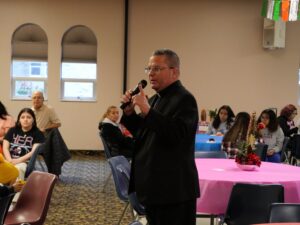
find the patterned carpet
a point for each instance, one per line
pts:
(78, 197)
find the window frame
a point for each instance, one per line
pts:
(24, 78)
(78, 80)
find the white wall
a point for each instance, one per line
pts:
(219, 42)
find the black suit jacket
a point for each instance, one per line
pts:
(163, 168)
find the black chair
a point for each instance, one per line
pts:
(4, 206)
(284, 212)
(210, 154)
(261, 150)
(106, 147)
(250, 203)
(285, 152)
(120, 168)
(33, 159)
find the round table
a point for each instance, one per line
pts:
(217, 177)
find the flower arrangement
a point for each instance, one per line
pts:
(246, 149)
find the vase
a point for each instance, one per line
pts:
(246, 167)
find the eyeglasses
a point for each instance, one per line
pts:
(156, 69)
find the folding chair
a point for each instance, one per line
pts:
(33, 203)
(285, 152)
(107, 156)
(4, 206)
(34, 158)
(120, 168)
(210, 154)
(250, 203)
(284, 212)
(261, 150)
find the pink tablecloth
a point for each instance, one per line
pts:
(217, 176)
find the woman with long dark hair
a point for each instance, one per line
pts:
(222, 122)
(237, 133)
(272, 135)
(21, 141)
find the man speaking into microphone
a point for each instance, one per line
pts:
(163, 171)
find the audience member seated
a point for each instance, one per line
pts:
(21, 141)
(286, 120)
(287, 124)
(238, 132)
(8, 178)
(6, 122)
(222, 122)
(271, 134)
(46, 117)
(119, 142)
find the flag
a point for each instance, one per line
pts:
(285, 4)
(276, 10)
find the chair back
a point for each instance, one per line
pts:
(120, 168)
(284, 151)
(210, 154)
(31, 164)
(105, 146)
(33, 203)
(284, 212)
(261, 150)
(250, 203)
(4, 206)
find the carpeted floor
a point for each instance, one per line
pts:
(78, 197)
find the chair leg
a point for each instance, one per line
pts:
(106, 181)
(212, 220)
(123, 213)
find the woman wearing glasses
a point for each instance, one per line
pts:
(287, 124)
(271, 134)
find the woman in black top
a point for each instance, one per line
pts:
(286, 120)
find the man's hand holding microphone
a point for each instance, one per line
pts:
(137, 97)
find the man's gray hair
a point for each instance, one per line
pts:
(171, 56)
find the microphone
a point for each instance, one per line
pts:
(134, 92)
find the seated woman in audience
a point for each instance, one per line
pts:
(286, 120)
(238, 132)
(222, 122)
(21, 141)
(117, 137)
(271, 134)
(6, 122)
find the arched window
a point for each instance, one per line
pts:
(79, 64)
(29, 68)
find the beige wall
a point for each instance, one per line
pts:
(219, 42)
